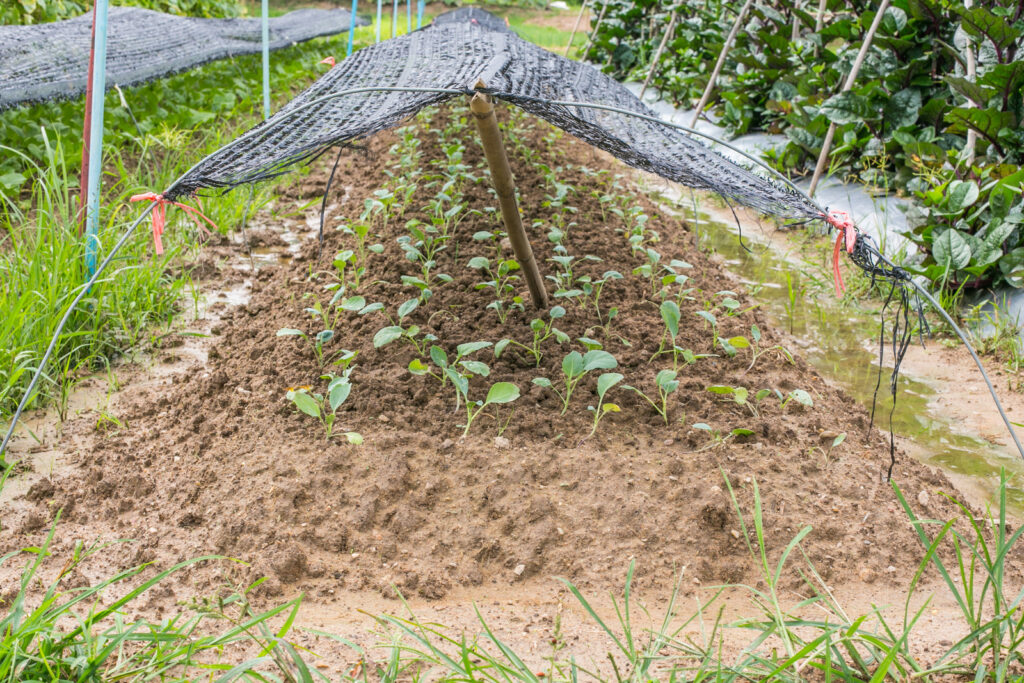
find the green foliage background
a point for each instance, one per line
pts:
(41, 11)
(903, 127)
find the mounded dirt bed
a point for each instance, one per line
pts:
(218, 461)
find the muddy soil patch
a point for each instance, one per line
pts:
(220, 462)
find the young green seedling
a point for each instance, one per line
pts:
(325, 409)
(575, 366)
(670, 315)
(740, 396)
(541, 332)
(500, 281)
(756, 351)
(716, 435)
(798, 395)
(604, 383)
(666, 383)
(397, 330)
(498, 393)
(458, 370)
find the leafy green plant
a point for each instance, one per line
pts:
(605, 382)
(665, 384)
(458, 369)
(324, 407)
(500, 281)
(575, 367)
(499, 393)
(541, 333)
(670, 315)
(399, 331)
(798, 395)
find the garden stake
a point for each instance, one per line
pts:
(819, 21)
(98, 83)
(720, 63)
(657, 54)
(576, 26)
(594, 30)
(850, 80)
(504, 186)
(380, 10)
(394, 18)
(352, 29)
(419, 13)
(972, 73)
(86, 131)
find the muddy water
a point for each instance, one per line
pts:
(842, 343)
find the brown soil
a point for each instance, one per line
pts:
(215, 460)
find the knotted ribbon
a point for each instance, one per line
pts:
(160, 216)
(846, 232)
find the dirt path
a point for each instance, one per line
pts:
(211, 458)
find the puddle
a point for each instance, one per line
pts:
(842, 344)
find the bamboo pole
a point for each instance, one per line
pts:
(504, 186)
(819, 21)
(657, 54)
(593, 31)
(819, 169)
(721, 62)
(576, 26)
(972, 72)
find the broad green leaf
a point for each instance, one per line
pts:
(740, 395)
(478, 262)
(471, 347)
(846, 107)
(372, 308)
(542, 381)
(386, 335)
(407, 308)
(961, 194)
(572, 364)
(305, 403)
(590, 344)
(670, 316)
(901, 110)
(720, 389)
(610, 408)
(476, 367)
(556, 312)
(500, 347)
(502, 392)
(438, 357)
(839, 439)
(607, 381)
(599, 360)
(802, 397)
(949, 248)
(739, 342)
(354, 303)
(290, 332)
(417, 367)
(742, 431)
(354, 438)
(701, 425)
(338, 393)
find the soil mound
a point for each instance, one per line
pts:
(221, 462)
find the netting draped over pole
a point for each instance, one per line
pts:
(98, 87)
(265, 36)
(41, 62)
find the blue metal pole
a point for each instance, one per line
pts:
(419, 13)
(352, 29)
(266, 59)
(99, 88)
(394, 18)
(380, 13)
(408, 16)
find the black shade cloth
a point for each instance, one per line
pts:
(457, 50)
(46, 61)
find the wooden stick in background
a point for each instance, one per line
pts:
(657, 55)
(576, 26)
(819, 169)
(721, 62)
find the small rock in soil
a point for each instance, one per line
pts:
(501, 443)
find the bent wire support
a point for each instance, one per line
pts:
(382, 85)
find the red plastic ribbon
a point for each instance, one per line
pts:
(846, 232)
(160, 216)
(329, 61)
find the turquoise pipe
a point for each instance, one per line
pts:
(352, 29)
(266, 59)
(380, 14)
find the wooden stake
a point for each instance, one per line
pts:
(576, 26)
(720, 63)
(819, 169)
(657, 54)
(972, 72)
(593, 30)
(819, 21)
(504, 186)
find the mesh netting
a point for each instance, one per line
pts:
(47, 61)
(457, 50)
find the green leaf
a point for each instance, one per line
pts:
(556, 312)
(438, 357)
(901, 110)
(670, 315)
(607, 381)
(720, 389)
(542, 381)
(478, 262)
(354, 303)
(338, 393)
(476, 367)
(739, 342)
(502, 392)
(590, 344)
(961, 194)
(701, 425)
(471, 347)
(305, 403)
(408, 307)
(846, 107)
(572, 364)
(386, 335)
(981, 23)
(500, 347)
(598, 360)
(290, 332)
(354, 438)
(949, 248)
(802, 397)
(839, 439)
(742, 431)
(740, 395)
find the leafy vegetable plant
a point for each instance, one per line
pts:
(500, 280)
(666, 384)
(575, 367)
(541, 332)
(324, 408)
(604, 383)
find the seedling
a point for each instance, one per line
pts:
(500, 282)
(317, 342)
(499, 393)
(592, 293)
(324, 408)
(574, 367)
(716, 435)
(397, 330)
(666, 383)
(798, 395)
(604, 383)
(755, 349)
(670, 315)
(541, 332)
(458, 370)
(422, 245)
(740, 396)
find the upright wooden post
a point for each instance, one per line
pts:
(720, 63)
(576, 26)
(657, 55)
(504, 185)
(593, 31)
(826, 147)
